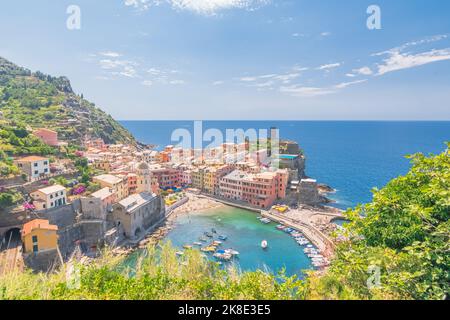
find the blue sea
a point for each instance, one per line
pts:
(352, 157)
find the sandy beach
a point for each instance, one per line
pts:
(196, 203)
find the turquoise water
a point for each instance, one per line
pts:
(245, 234)
(352, 157)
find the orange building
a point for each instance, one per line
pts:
(38, 236)
(49, 137)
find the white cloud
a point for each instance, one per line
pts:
(348, 84)
(350, 75)
(217, 83)
(203, 7)
(325, 34)
(399, 61)
(366, 71)
(110, 54)
(147, 83)
(329, 66)
(299, 91)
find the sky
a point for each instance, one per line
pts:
(240, 59)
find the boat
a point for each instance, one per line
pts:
(265, 220)
(197, 243)
(280, 227)
(203, 239)
(208, 249)
(288, 230)
(187, 246)
(217, 243)
(232, 252)
(223, 237)
(179, 253)
(222, 255)
(264, 244)
(209, 235)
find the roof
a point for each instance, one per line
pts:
(46, 130)
(136, 200)
(108, 178)
(52, 189)
(31, 159)
(102, 193)
(38, 224)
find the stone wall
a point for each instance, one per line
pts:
(43, 261)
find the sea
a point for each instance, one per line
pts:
(353, 157)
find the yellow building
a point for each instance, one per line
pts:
(116, 184)
(38, 236)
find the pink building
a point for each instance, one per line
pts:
(260, 190)
(167, 177)
(49, 137)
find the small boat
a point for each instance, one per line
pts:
(217, 243)
(197, 243)
(264, 244)
(265, 220)
(280, 227)
(208, 249)
(222, 255)
(179, 253)
(209, 235)
(223, 237)
(187, 246)
(232, 252)
(203, 239)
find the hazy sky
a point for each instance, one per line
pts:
(241, 59)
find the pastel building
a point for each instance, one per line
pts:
(39, 236)
(166, 177)
(137, 213)
(49, 137)
(115, 183)
(33, 166)
(49, 198)
(259, 190)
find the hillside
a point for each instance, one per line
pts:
(33, 99)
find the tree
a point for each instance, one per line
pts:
(404, 232)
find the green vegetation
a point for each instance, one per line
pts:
(158, 275)
(405, 232)
(38, 100)
(9, 198)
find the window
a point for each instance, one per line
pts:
(35, 248)
(35, 164)
(36, 172)
(45, 163)
(34, 239)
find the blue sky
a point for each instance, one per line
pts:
(241, 59)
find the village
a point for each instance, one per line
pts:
(128, 193)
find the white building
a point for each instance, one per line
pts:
(50, 197)
(33, 166)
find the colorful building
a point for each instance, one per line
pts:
(49, 137)
(115, 183)
(39, 236)
(260, 190)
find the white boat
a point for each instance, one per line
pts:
(232, 252)
(265, 220)
(264, 244)
(180, 253)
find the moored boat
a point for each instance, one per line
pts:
(264, 244)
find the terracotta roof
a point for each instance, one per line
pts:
(45, 129)
(31, 159)
(38, 224)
